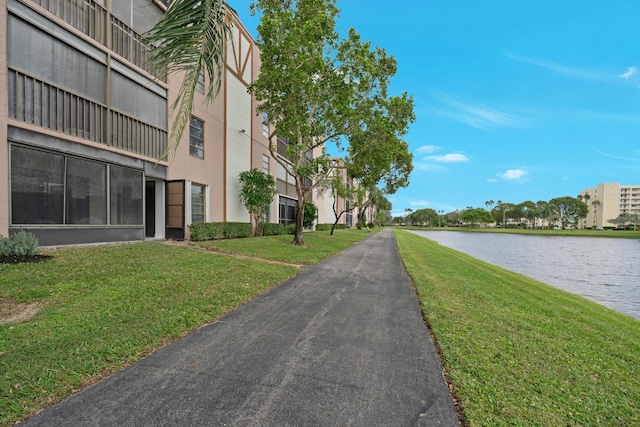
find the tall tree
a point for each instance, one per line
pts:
(377, 154)
(310, 85)
(383, 210)
(257, 190)
(409, 212)
(339, 189)
(501, 212)
(624, 219)
(474, 216)
(189, 39)
(570, 209)
(528, 211)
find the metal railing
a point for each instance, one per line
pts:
(92, 19)
(40, 103)
(43, 104)
(130, 45)
(136, 136)
(84, 15)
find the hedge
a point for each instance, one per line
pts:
(325, 227)
(271, 229)
(219, 230)
(230, 230)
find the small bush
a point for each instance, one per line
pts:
(219, 230)
(290, 229)
(20, 244)
(6, 246)
(271, 229)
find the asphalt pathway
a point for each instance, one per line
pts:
(341, 344)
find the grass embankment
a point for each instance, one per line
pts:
(624, 234)
(318, 246)
(520, 352)
(106, 307)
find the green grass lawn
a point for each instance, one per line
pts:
(106, 307)
(520, 352)
(318, 246)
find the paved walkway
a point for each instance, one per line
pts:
(343, 343)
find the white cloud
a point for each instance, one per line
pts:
(420, 203)
(630, 72)
(478, 116)
(627, 158)
(448, 158)
(561, 69)
(426, 149)
(512, 175)
(427, 167)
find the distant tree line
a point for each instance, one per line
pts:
(563, 212)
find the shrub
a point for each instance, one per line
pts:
(271, 229)
(310, 212)
(290, 229)
(6, 246)
(219, 230)
(20, 244)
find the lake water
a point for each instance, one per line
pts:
(604, 270)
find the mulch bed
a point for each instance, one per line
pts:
(20, 259)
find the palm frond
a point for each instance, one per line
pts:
(190, 38)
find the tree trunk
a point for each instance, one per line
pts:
(363, 209)
(297, 236)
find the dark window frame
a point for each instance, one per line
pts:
(196, 142)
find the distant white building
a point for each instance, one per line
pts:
(607, 201)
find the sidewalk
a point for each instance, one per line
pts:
(342, 343)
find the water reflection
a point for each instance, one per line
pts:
(603, 270)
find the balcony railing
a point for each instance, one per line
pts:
(84, 15)
(40, 103)
(43, 104)
(129, 44)
(93, 20)
(137, 136)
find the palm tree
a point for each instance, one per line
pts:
(408, 212)
(190, 38)
(549, 212)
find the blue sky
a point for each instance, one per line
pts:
(513, 101)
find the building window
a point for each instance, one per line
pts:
(265, 125)
(287, 208)
(265, 164)
(86, 192)
(50, 188)
(200, 82)
(126, 196)
(198, 208)
(37, 187)
(196, 138)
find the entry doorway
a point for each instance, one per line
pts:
(154, 209)
(150, 209)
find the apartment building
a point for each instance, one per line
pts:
(329, 202)
(609, 200)
(84, 124)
